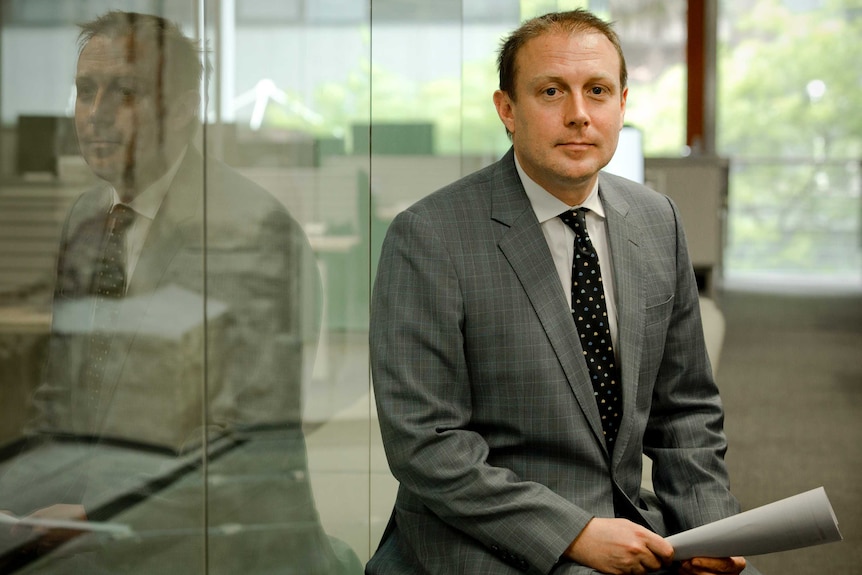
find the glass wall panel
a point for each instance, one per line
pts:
(432, 120)
(286, 80)
(105, 297)
(184, 377)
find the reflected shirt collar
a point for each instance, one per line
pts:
(148, 202)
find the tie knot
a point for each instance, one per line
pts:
(576, 219)
(120, 218)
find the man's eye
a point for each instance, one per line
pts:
(85, 92)
(551, 92)
(598, 90)
(125, 93)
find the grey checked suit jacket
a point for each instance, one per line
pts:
(486, 411)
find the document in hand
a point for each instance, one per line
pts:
(800, 521)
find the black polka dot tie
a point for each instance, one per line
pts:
(590, 313)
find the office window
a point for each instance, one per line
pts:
(269, 11)
(337, 11)
(789, 122)
(280, 12)
(653, 36)
(454, 11)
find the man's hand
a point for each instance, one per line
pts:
(620, 547)
(9, 518)
(52, 537)
(710, 566)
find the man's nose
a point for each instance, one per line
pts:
(102, 108)
(576, 113)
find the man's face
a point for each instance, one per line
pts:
(567, 112)
(124, 121)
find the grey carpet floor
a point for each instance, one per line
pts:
(791, 380)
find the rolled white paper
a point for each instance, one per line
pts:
(70, 524)
(799, 521)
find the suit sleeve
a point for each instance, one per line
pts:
(275, 324)
(684, 434)
(423, 394)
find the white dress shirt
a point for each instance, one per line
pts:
(561, 239)
(145, 205)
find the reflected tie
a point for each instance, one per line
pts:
(108, 286)
(590, 313)
(110, 272)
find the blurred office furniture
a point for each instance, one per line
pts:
(628, 160)
(699, 187)
(275, 148)
(394, 138)
(144, 507)
(41, 141)
(395, 182)
(31, 217)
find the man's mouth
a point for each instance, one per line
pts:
(101, 141)
(575, 146)
(101, 146)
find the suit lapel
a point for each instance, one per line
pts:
(624, 239)
(526, 250)
(174, 228)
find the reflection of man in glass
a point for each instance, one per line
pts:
(184, 297)
(134, 112)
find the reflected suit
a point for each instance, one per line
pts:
(259, 274)
(223, 249)
(488, 418)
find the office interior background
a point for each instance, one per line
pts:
(745, 112)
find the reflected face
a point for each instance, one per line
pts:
(567, 110)
(124, 124)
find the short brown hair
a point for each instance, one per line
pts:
(569, 22)
(179, 57)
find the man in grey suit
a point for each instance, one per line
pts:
(489, 420)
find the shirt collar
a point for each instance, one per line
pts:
(547, 206)
(148, 202)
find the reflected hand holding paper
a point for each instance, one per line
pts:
(52, 525)
(55, 524)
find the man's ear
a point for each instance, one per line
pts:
(623, 98)
(505, 109)
(185, 111)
